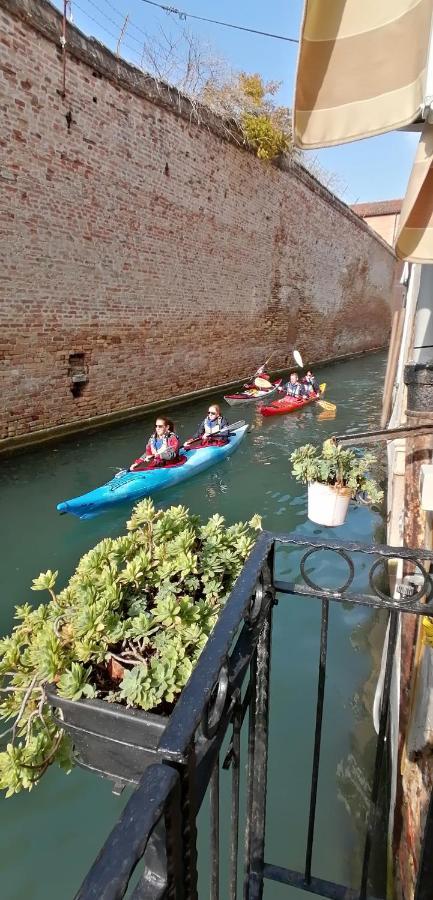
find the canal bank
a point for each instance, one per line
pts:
(59, 828)
(10, 446)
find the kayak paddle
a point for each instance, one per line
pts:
(231, 427)
(325, 404)
(269, 357)
(296, 355)
(262, 382)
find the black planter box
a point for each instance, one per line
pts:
(419, 380)
(108, 738)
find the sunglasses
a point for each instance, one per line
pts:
(212, 412)
(159, 426)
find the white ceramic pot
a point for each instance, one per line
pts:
(328, 505)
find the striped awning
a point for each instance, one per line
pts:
(361, 69)
(414, 239)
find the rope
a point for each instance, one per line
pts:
(185, 15)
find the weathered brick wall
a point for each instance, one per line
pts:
(170, 257)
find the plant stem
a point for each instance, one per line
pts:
(26, 697)
(122, 660)
(45, 762)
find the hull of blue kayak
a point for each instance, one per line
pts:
(131, 486)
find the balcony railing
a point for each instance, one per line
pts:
(157, 832)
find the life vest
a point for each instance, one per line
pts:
(294, 390)
(311, 384)
(167, 446)
(212, 426)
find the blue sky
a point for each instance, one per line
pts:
(375, 169)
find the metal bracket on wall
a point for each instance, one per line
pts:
(383, 434)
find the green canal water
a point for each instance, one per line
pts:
(49, 838)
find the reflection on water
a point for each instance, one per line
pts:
(327, 414)
(50, 837)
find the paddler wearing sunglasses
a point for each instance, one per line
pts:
(162, 446)
(210, 426)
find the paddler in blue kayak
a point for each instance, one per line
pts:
(211, 426)
(162, 447)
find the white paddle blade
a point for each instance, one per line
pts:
(262, 382)
(298, 359)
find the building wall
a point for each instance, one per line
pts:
(385, 226)
(409, 525)
(170, 257)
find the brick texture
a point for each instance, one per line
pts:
(172, 258)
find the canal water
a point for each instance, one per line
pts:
(49, 838)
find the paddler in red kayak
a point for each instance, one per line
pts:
(262, 375)
(295, 388)
(210, 427)
(311, 383)
(162, 447)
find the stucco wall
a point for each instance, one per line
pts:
(385, 226)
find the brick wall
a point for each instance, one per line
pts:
(172, 258)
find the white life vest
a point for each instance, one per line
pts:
(214, 428)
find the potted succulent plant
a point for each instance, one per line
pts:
(95, 671)
(334, 476)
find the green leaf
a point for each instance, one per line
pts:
(45, 581)
(73, 684)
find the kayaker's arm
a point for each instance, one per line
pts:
(171, 448)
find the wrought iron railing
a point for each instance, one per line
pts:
(157, 832)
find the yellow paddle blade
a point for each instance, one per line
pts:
(326, 405)
(322, 387)
(262, 382)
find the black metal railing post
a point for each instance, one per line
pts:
(235, 791)
(258, 747)
(189, 813)
(174, 847)
(380, 749)
(317, 737)
(215, 830)
(156, 798)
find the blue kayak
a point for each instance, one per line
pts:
(131, 486)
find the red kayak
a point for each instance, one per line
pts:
(285, 405)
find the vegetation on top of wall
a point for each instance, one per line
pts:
(249, 101)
